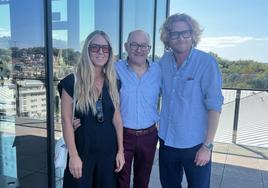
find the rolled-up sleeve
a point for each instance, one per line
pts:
(211, 84)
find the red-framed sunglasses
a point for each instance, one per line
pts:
(95, 48)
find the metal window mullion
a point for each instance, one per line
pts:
(167, 8)
(120, 41)
(154, 29)
(49, 92)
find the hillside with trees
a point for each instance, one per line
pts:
(244, 74)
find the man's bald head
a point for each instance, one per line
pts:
(138, 32)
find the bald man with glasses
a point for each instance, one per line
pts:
(139, 92)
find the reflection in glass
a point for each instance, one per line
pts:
(8, 165)
(107, 19)
(22, 94)
(137, 14)
(253, 124)
(72, 21)
(161, 16)
(8, 158)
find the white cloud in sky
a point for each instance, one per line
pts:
(237, 47)
(209, 43)
(261, 39)
(58, 36)
(4, 32)
(55, 35)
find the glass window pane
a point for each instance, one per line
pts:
(253, 124)
(22, 94)
(160, 18)
(72, 22)
(137, 14)
(107, 19)
(225, 129)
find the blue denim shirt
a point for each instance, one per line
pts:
(139, 96)
(188, 93)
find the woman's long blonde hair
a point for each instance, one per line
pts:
(85, 90)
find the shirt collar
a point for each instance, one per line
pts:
(147, 61)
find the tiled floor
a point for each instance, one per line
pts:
(234, 166)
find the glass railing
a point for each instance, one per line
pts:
(244, 117)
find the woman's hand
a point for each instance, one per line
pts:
(76, 123)
(75, 166)
(120, 161)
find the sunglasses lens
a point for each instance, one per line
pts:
(174, 35)
(94, 48)
(105, 49)
(186, 34)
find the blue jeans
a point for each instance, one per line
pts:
(172, 162)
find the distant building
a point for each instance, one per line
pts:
(32, 99)
(7, 101)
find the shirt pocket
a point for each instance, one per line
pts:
(186, 89)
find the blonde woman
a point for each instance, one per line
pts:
(96, 147)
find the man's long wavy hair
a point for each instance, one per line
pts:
(192, 23)
(85, 90)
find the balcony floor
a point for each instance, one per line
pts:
(234, 166)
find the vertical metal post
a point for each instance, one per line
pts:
(154, 29)
(73, 28)
(120, 41)
(236, 115)
(167, 13)
(167, 8)
(18, 98)
(49, 93)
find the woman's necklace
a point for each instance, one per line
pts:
(99, 84)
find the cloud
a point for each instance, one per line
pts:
(56, 35)
(237, 47)
(59, 35)
(208, 43)
(4, 32)
(261, 39)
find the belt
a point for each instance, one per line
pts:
(140, 132)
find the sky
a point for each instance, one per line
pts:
(4, 22)
(234, 29)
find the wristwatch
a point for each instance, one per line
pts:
(208, 146)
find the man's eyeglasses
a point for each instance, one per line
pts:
(95, 48)
(176, 34)
(99, 109)
(135, 46)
